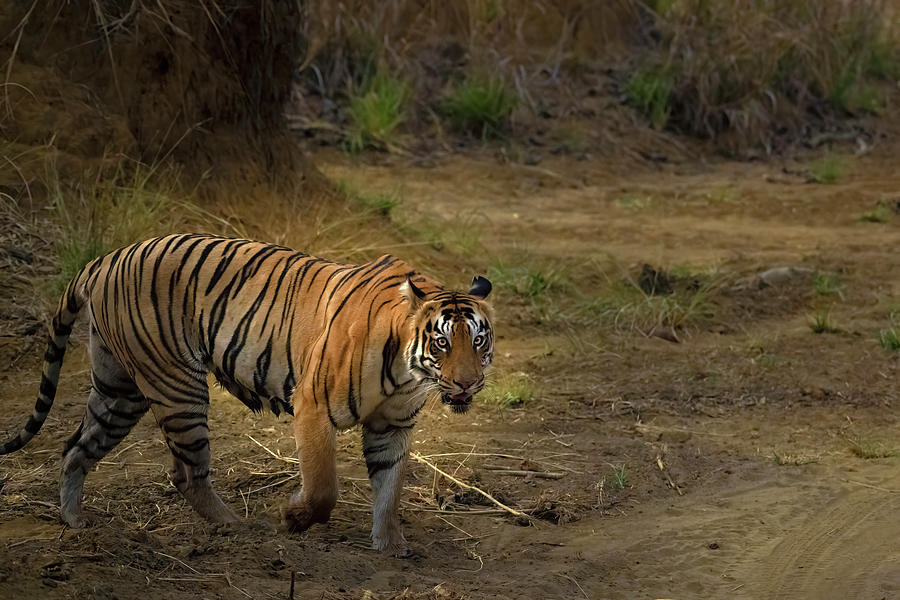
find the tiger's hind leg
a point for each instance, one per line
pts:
(115, 405)
(184, 424)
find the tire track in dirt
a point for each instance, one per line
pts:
(849, 549)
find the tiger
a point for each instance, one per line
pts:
(334, 345)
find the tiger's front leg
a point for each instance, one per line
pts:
(386, 449)
(316, 447)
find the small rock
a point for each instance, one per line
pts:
(532, 159)
(781, 275)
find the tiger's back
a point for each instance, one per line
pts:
(249, 312)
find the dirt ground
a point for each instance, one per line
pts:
(732, 445)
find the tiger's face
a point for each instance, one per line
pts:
(454, 341)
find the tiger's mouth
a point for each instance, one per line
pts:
(460, 403)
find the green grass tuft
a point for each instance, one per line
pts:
(649, 89)
(481, 106)
(118, 207)
(528, 280)
(868, 449)
(508, 391)
(634, 202)
(889, 339)
(820, 322)
(74, 252)
(376, 113)
(828, 283)
(882, 213)
(827, 170)
(619, 476)
(573, 140)
(381, 203)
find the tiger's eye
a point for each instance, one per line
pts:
(441, 342)
(479, 340)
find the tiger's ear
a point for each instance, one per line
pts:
(481, 287)
(413, 295)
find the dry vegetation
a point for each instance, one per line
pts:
(755, 77)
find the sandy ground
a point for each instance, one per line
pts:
(736, 441)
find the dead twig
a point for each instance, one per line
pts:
(523, 473)
(872, 487)
(513, 511)
(665, 473)
(572, 579)
(288, 459)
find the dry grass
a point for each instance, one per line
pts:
(658, 303)
(868, 448)
(750, 74)
(469, 63)
(750, 69)
(794, 459)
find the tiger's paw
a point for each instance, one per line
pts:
(297, 517)
(76, 519)
(392, 545)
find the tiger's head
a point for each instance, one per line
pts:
(453, 341)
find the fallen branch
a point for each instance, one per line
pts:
(417, 457)
(872, 487)
(523, 473)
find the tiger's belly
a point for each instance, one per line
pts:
(260, 386)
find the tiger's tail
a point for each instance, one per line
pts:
(60, 328)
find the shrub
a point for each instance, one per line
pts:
(480, 106)
(377, 111)
(757, 68)
(649, 89)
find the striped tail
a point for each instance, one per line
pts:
(61, 328)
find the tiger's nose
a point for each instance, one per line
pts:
(468, 385)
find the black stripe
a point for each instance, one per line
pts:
(388, 355)
(186, 427)
(179, 415)
(351, 400)
(70, 443)
(181, 457)
(88, 452)
(413, 414)
(48, 387)
(108, 424)
(380, 465)
(111, 391)
(261, 373)
(43, 405)
(12, 445)
(134, 415)
(32, 425)
(71, 301)
(228, 254)
(194, 446)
